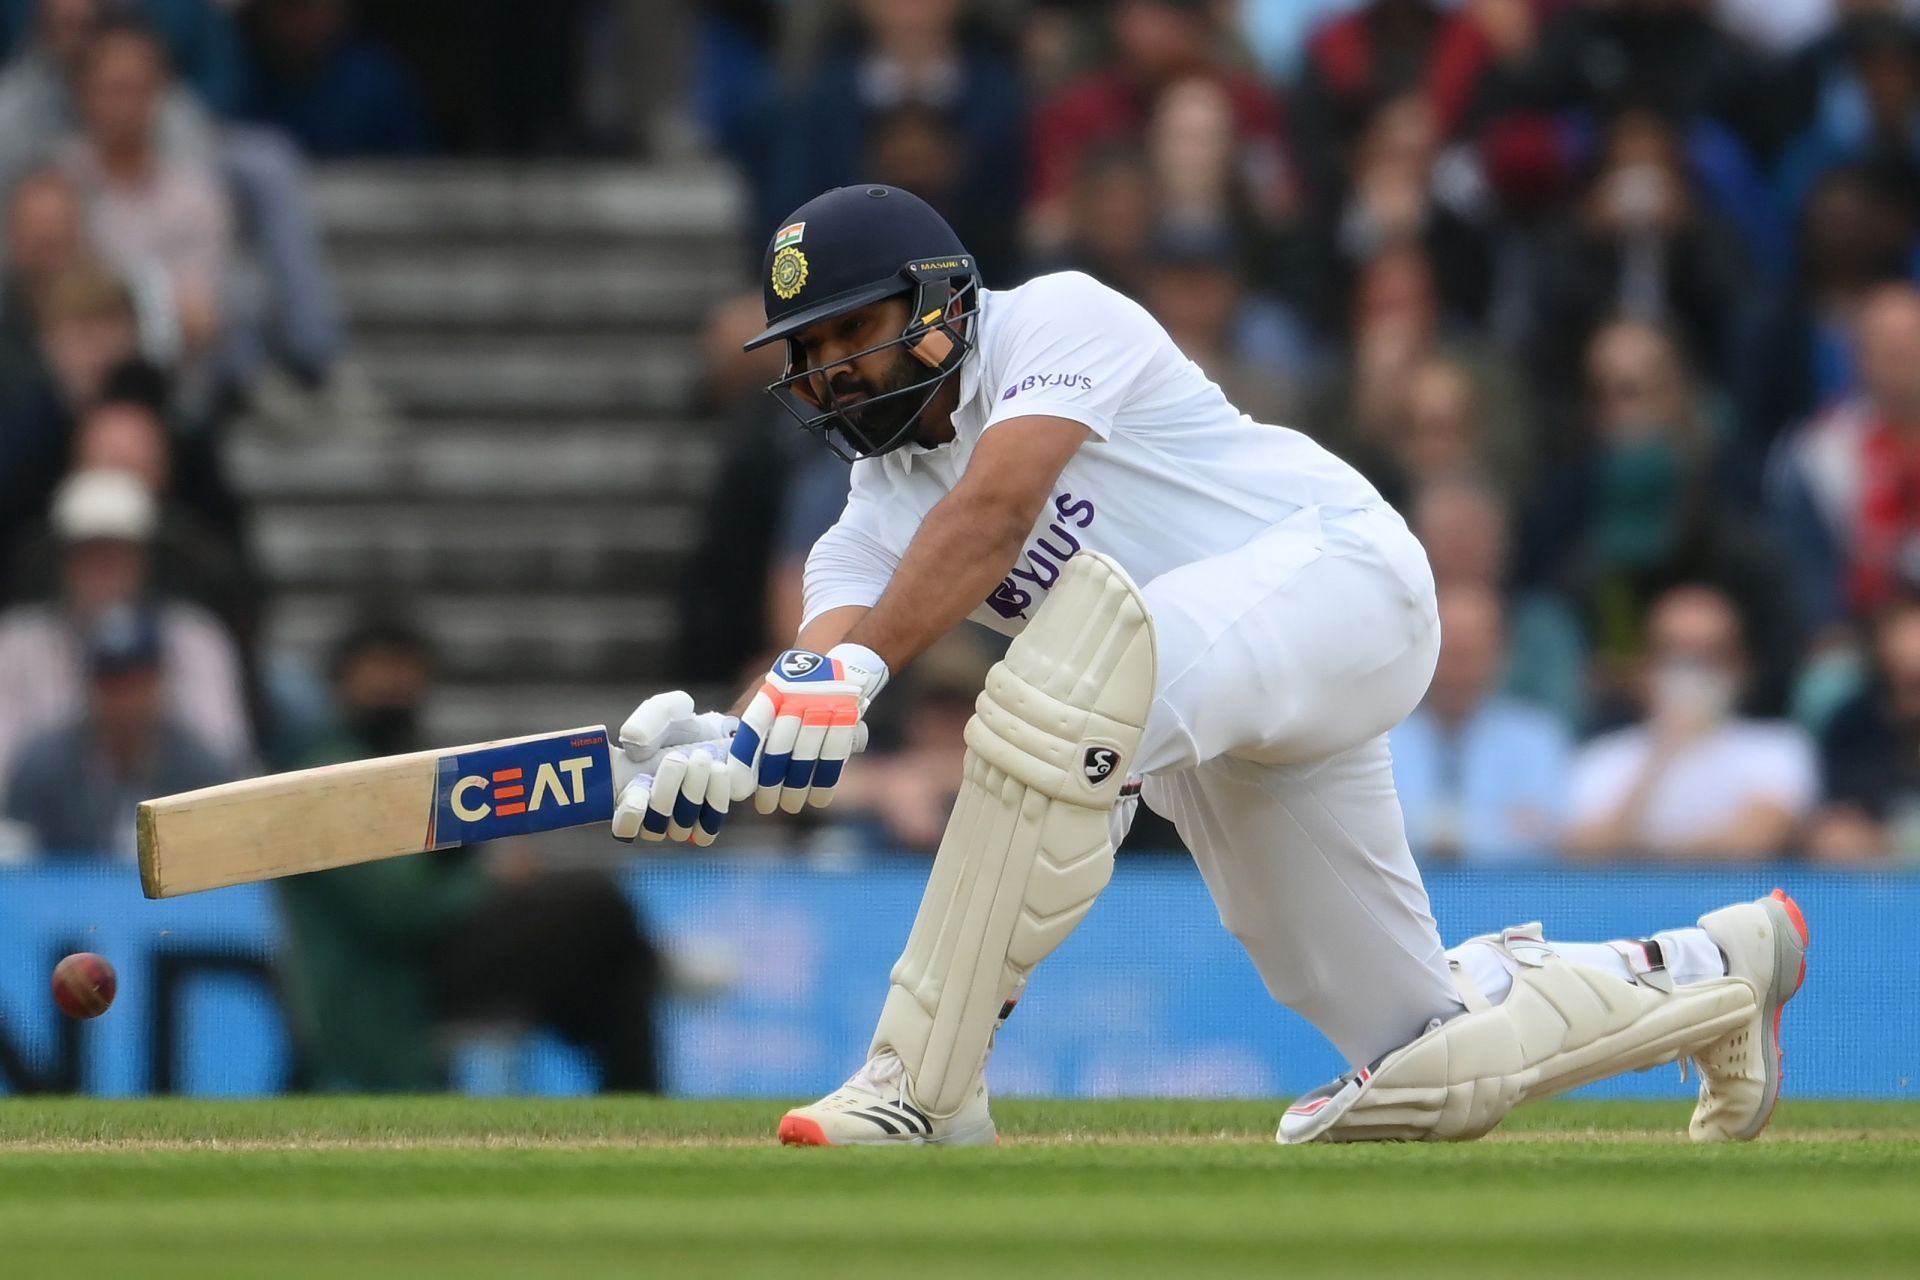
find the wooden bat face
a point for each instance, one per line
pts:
(337, 815)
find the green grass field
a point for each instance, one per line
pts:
(579, 1188)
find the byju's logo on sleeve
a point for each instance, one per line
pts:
(1057, 381)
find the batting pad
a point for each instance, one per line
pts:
(1027, 848)
(1562, 1025)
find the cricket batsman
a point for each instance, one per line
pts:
(1211, 614)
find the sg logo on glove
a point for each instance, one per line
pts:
(796, 734)
(798, 664)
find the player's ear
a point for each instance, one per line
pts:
(935, 344)
(931, 348)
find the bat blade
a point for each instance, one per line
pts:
(337, 815)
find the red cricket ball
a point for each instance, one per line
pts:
(84, 985)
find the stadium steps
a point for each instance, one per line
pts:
(536, 330)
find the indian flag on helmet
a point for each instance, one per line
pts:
(788, 235)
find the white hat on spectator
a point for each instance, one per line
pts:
(103, 503)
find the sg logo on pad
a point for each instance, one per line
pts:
(1099, 763)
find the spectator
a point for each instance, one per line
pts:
(921, 54)
(1466, 528)
(738, 592)
(921, 149)
(1277, 32)
(1776, 27)
(1846, 487)
(1692, 779)
(1641, 243)
(1669, 53)
(328, 86)
(38, 99)
(1385, 49)
(1481, 776)
(1396, 323)
(1156, 43)
(191, 560)
(105, 522)
(39, 114)
(1108, 222)
(88, 328)
(155, 214)
(1816, 83)
(1880, 124)
(1856, 233)
(1639, 512)
(1250, 347)
(1205, 181)
(45, 240)
(377, 953)
(1455, 426)
(1363, 402)
(1395, 194)
(199, 36)
(42, 243)
(1870, 754)
(77, 785)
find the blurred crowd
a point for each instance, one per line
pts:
(162, 279)
(1615, 299)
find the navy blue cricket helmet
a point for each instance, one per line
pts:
(842, 250)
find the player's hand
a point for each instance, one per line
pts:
(798, 731)
(671, 771)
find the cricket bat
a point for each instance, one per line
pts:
(337, 815)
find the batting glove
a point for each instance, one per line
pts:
(796, 734)
(672, 772)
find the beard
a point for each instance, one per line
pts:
(873, 423)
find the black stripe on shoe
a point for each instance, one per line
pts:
(881, 1120)
(915, 1123)
(926, 1121)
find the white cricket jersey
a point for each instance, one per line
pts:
(1173, 473)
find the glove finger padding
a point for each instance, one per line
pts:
(801, 766)
(693, 793)
(651, 725)
(657, 821)
(749, 745)
(774, 759)
(837, 745)
(631, 807)
(713, 807)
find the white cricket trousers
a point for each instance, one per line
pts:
(1283, 664)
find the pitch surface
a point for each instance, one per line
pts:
(587, 1188)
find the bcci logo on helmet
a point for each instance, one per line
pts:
(789, 273)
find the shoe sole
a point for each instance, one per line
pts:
(799, 1131)
(804, 1131)
(1791, 938)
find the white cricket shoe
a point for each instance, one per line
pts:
(876, 1109)
(1765, 943)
